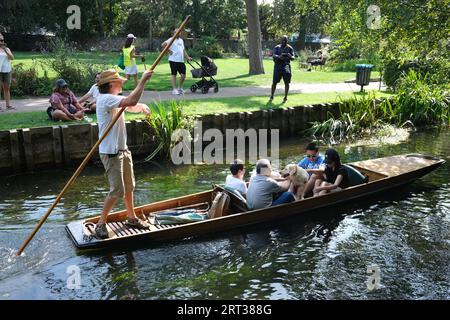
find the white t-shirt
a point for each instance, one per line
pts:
(107, 108)
(236, 183)
(5, 63)
(93, 92)
(177, 49)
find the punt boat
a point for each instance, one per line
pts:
(380, 175)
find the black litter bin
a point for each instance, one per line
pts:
(363, 75)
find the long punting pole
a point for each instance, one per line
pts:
(94, 148)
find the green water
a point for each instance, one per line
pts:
(404, 232)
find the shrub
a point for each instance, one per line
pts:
(349, 65)
(302, 57)
(421, 101)
(27, 81)
(438, 71)
(79, 75)
(207, 46)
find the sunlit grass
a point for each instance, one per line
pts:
(192, 107)
(232, 72)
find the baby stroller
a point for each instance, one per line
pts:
(207, 69)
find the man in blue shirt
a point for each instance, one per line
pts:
(313, 163)
(282, 55)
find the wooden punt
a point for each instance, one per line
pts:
(384, 174)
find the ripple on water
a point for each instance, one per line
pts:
(405, 233)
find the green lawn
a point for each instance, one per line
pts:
(232, 72)
(206, 106)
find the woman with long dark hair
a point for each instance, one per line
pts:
(129, 56)
(335, 175)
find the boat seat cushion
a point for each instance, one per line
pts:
(237, 199)
(355, 177)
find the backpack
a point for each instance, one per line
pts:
(121, 62)
(219, 206)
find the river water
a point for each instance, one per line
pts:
(404, 233)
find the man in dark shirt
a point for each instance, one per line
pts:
(282, 56)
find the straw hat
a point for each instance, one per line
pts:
(108, 76)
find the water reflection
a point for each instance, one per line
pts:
(321, 255)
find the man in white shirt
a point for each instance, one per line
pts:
(177, 53)
(236, 179)
(114, 153)
(90, 98)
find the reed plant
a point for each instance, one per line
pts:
(165, 119)
(419, 102)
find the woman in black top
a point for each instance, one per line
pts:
(335, 175)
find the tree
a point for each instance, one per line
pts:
(254, 38)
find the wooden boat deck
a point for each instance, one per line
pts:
(395, 165)
(118, 229)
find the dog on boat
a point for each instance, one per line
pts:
(298, 176)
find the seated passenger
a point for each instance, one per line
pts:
(335, 175)
(64, 104)
(313, 164)
(262, 187)
(236, 179)
(89, 100)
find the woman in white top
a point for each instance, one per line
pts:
(5, 71)
(176, 61)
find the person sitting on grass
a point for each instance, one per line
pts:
(90, 98)
(236, 179)
(313, 163)
(335, 175)
(262, 188)
(64, 104)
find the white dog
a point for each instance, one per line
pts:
(299, 177)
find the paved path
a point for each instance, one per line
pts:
(37, 104)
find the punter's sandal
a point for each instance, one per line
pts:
(101, 232)
(137, 223)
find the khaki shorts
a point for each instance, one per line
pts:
(120, 174)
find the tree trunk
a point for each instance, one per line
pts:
(150, 34)
(302, 33)
(101, 30)
(254, 38)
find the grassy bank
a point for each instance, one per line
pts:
(208, 106)
(232, 72)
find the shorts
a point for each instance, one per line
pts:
(131, 70)
(282, 72)
(5, 77)
(177, 67)
(119, 171)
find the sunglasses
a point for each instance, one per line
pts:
(311, 156)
